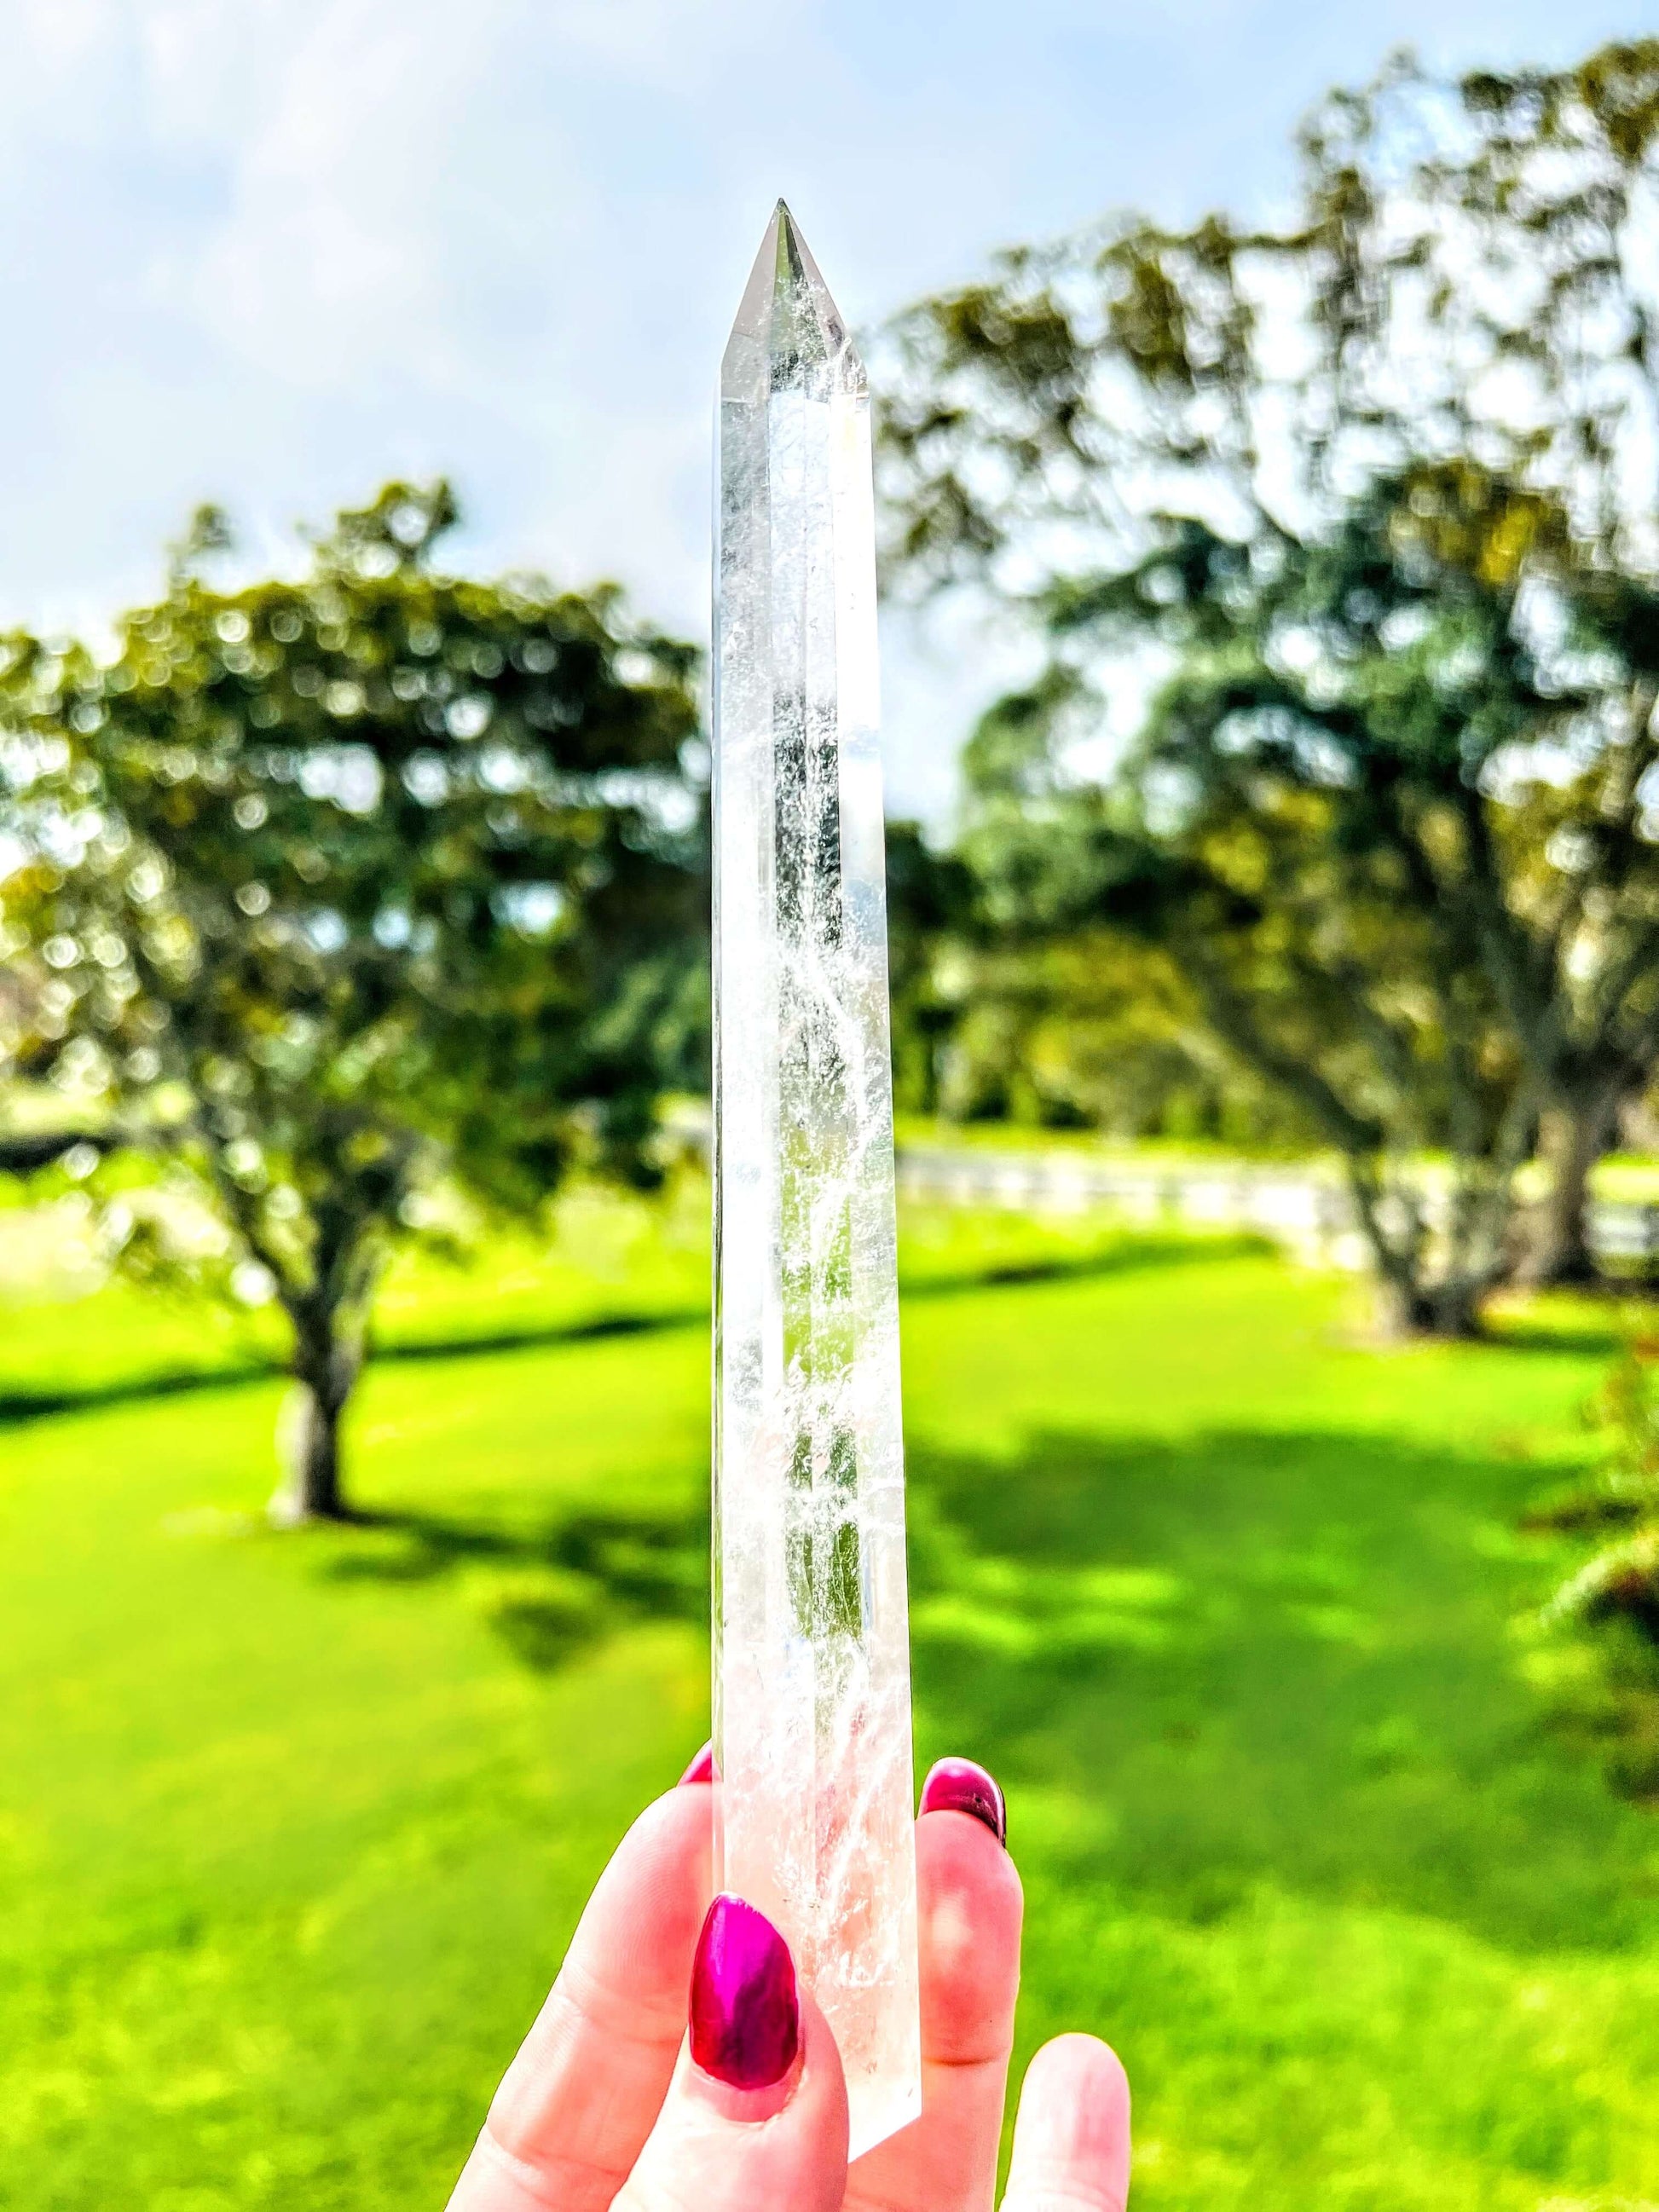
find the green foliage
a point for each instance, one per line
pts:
(1370, 494)
(929, 901)
(1620, 1507)
(1077, 1030)
(1462, 278)
(332, 884)
(295, 1832)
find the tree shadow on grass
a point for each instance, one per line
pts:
(1133, 1253)
(1197, 1664)
(1246, 1657)
(553, 1589)
(22, 1404)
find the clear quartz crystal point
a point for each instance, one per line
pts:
(811, 1645)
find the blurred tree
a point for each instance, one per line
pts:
(1087, 1030)
(333, 884)
(1463, 310)
(1256, 843)
(1065, 1020)
(929, 913)
(1090, 1028)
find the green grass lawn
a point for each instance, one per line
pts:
(293, 1828)
(613, 1266)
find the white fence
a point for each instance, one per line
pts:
(1305, 1210)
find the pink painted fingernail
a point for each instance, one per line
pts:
(745, 2016)
(956, 1786)
(702, 1768)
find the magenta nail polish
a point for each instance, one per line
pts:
(956, 1786)
(745, 2017)
(702, 1768)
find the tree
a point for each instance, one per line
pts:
(333, 884)
(1258, 840)
(1462, 309)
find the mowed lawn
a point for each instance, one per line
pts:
(293, 1829)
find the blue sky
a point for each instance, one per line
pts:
(270, 251)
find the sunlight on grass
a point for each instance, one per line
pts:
(293, 1829)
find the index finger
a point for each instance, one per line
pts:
(578, 2102)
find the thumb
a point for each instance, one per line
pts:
(756, 2116)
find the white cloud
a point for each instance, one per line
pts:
(329, 260)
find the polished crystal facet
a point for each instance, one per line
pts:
(812, 1649)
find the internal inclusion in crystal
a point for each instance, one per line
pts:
(819, 1331)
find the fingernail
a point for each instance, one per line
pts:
(956, 1786)
(745, 2017)
(702, 1768)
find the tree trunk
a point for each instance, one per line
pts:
(1443, 1309)
(327, 1362)
(1415, 1298)
(1572, 1139)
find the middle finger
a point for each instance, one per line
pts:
(968, 1908)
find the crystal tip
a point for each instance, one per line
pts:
(786, 299)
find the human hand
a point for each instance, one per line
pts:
(610, 2107)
